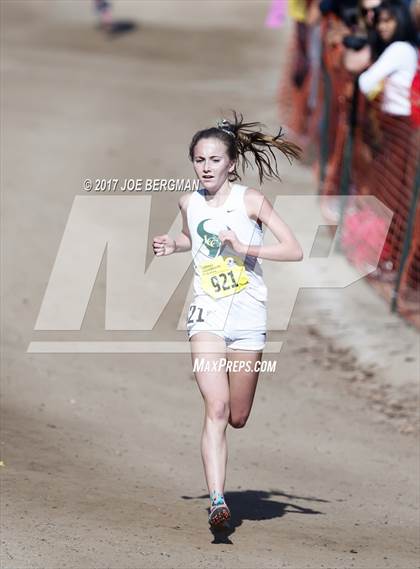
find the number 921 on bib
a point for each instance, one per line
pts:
(223, 276)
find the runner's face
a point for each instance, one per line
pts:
(386, 26)
(211, 163)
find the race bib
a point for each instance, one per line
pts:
(223, 276)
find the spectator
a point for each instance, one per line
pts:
(391, 176)
(368, 141)
(107, 22)
(396, 67)
(368, 10)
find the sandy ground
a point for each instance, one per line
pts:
(101, 452)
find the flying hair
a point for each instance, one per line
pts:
(248, 143)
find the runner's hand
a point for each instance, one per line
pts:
(229, 238)
(163, 245)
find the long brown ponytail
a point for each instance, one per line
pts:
(247, 138)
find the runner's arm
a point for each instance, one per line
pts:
(183, 240)
(288, 248)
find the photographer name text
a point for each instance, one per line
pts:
(139, 185)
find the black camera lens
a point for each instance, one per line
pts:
(355, 42)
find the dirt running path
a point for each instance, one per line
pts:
(101, 452)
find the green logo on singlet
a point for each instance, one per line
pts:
(210, 240)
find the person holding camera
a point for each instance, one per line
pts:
(394, 70)
(392, 166)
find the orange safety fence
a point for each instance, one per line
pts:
(411, 274)
(360, 150)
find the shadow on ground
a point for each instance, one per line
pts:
(257, 505)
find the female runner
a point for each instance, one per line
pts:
(222, 224)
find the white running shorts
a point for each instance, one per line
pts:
(240, 320)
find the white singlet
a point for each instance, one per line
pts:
(240, 315)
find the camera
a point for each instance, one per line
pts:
(355, 42)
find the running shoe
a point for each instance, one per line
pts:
(218, 514)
